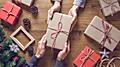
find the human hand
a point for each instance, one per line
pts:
(63, 53)
(55, 7)
(41, 47)
(73, 12)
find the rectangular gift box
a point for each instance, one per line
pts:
(10, 13)
(86, 58)
(109, 7)
(103, 32)
(26, 2)
(58, 30)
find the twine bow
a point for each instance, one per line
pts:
(9, 12)
(87, 56)
(55, 34)
(111, 5)
(106, 33)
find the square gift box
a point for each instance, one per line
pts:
(10, 13)
(103, 33)
(109, 7)
(58, 30)
(86, 58)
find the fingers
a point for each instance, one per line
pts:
(65, 48)
(68, 47)
(50, 14)
(43, 40)
(69, 13)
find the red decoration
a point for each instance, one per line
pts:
(86, 58)
(10, 12)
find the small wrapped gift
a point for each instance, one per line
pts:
(109, 7)
(103, 32)
(26, 2)
(58, 30)
(86, 58)
(10, 13)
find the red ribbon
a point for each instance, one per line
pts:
(9, 12)
(106, 33)
(87, 56)
(57, 31)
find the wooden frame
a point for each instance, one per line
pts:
(17, 41)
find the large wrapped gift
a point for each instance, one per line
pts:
(10, 13)
(86, 58)
(58, 30)
(109, 7)
(103, 32)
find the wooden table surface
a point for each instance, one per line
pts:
(77, 38)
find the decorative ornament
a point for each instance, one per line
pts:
(14, 48)
(34, 10)
(27, 24)
(104, 54)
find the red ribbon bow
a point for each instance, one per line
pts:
(57, 31)
(106, 33)
(87, 56)
(9, 12)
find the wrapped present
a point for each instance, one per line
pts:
(58, 30)
(103, 32)
(109, 7)
(86, 58)
(10, 13)
(26, 2)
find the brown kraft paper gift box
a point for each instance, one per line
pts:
(109, 7)
(58, 30)
(103, 33)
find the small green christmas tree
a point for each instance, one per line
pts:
(9, 52)
(2, 33)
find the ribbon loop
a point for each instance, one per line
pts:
(55, 34)
(106, 33)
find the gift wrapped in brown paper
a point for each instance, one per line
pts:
(109, 7)
(58, 30)
(103, 32)
(26, 2)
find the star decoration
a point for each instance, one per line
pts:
(104, 54)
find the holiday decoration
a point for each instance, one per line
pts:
(14, 47)
(104, 54)
(86, 58)
(34, 10)
(2, 33)
(58, 30)
(10, 13)
(8, 56)
(109, 7)
(27, 24)
(23, 47)
(9, 53)
(103, 32)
